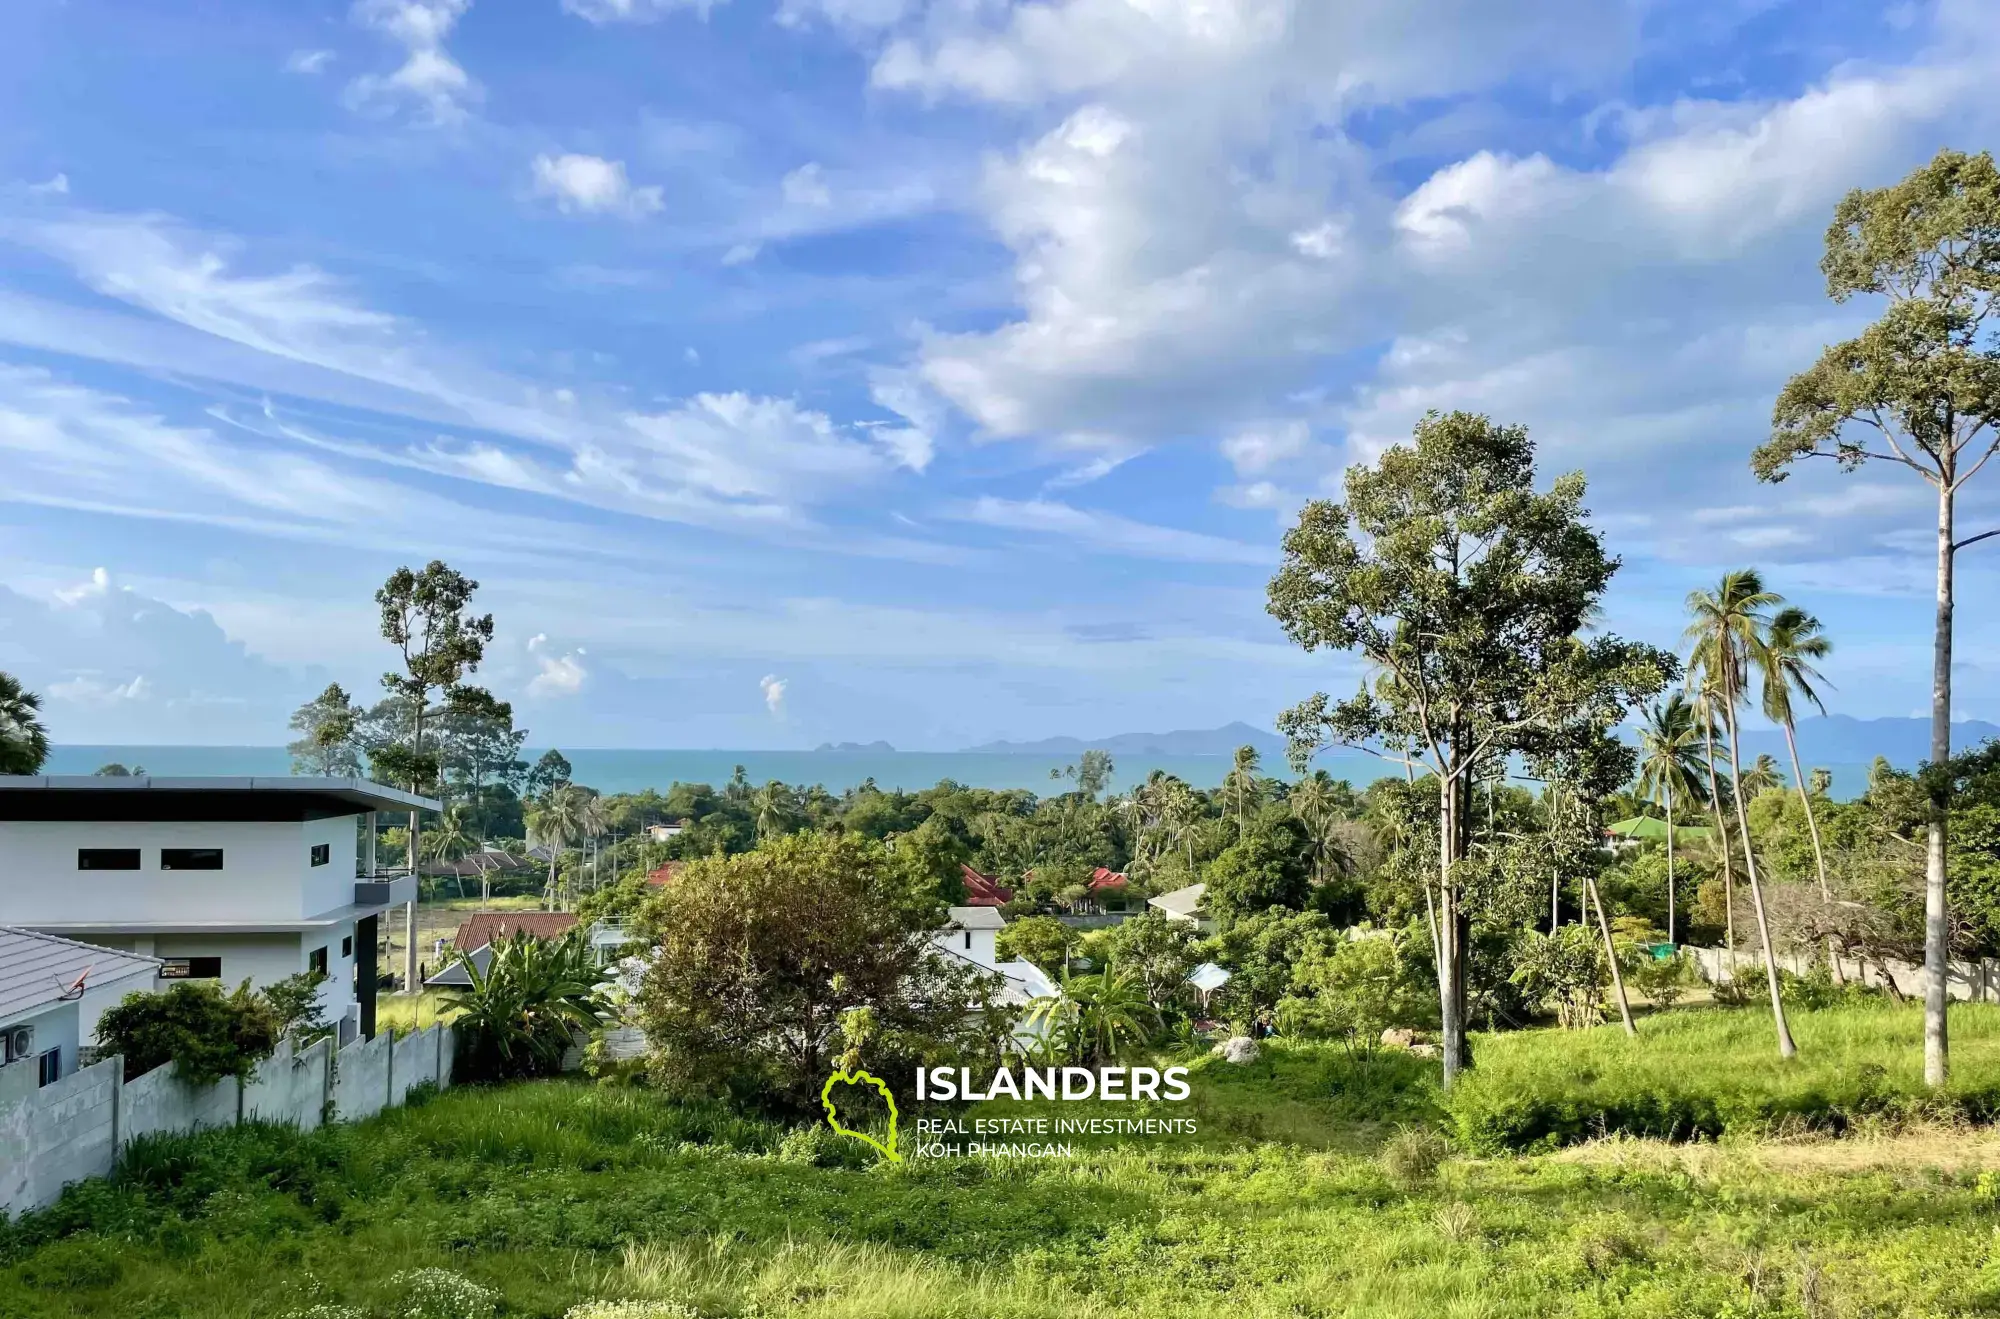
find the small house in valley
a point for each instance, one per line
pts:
(52, 992)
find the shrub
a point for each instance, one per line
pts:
(209, 1034)
(1661, 979)
(442, 1294)
(524, 1012)
(1563, 972)
(1413, 1156)
(1353, 992)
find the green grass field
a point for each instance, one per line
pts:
(544, 1197)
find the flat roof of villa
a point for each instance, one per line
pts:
(211, 797)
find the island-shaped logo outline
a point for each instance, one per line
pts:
(858, 1077)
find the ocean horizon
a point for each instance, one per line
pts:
(626, 770)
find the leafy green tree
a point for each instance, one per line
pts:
(1670, 771)
(117, 770)
(1322, 805)
(424, 617)
(1919, 388)
(1727, 640)
(761, 956)
(535, 1000)
(1464, 589)
(24, 743)
(550, 772)
(477, 740)
(1043, 940)
(1158, 952)
(329, 743)
(208, 1033)
(1352, 990)
(295, 1002)
(1563, 972)
(935, 851)
(1260, 951)
(1269, 865)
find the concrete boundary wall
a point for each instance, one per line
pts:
(51, 1136)
(1974, 982)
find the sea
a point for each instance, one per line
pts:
(617, 770)
(623, 770)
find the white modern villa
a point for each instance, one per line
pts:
(226, 879)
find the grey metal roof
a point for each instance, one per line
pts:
(1182, 901)
(38, 969)
(153, 796)
(976, 918)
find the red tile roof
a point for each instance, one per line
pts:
(484, 927)
(983, 890)
(1102, 878)
(661, 876)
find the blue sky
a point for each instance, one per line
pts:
(933, 370)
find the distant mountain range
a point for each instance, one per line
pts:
(1829, 740)
(1187, 742)
(869, 748)
(1841, 739)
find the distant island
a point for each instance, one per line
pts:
(870, 748)
(1186, 742)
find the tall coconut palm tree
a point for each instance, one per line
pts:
(1793, 641)
(24, 743)
(1727, 639)
(1707, 698)
(1317, 805)
(448, 840)
(1241, 782)
(1763, 776)
(1671, 770)
(557, 825)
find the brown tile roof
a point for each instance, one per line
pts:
(484, 927)
(664, 875)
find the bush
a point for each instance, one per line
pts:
(526, 1010)
(1564, 973)
(1353, 992)
(1413, 1156)
(209, 1034)
(442, 1294)
(1661, 979)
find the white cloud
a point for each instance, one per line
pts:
(743, 447)
(56, 186)
(773, 688)
(1258, 449)
(805, 186)
(97, 584)
(1108, 532)
(428, 80)
(634, 11)
(592, 185)
(93, 689)
(308, 61)
(558, 675)
(864, 15)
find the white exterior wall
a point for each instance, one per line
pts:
(266, 874)
(259, 958)
(331, 886)
(55, 1026)
(976, 945)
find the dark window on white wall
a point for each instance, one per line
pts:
(51, 1067)
(347, 946)
(107, 858)
(190, 858)
(316, 961)
(322, 853)
(191, 968)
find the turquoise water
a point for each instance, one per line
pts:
(632, 771)
(610, 770)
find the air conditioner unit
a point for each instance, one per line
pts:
(19, 1043)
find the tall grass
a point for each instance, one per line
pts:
(1702, 1073)
(561, 1196)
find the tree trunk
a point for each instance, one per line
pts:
(1819, 855)
(1786, 1049)
(1937, 1045)
(1450, 962)
(1670, 864)
(1722, 838)
(1611, 956)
